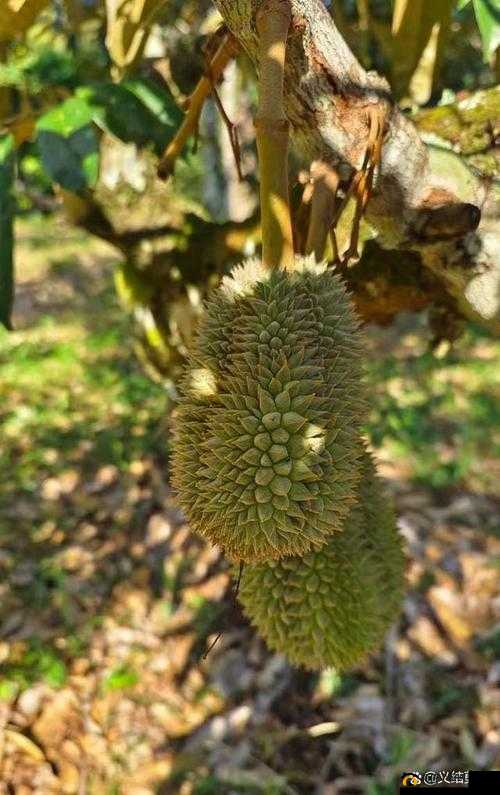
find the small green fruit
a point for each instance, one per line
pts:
(333, 606)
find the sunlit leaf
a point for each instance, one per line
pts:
(419, 30)
(121, 678)
(129, 24)
(488, 20)
(135, 111)
(68, 145)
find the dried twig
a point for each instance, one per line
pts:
(232, 132)
(325, 182)
(233, 593)
(225, 52)
(362, 182)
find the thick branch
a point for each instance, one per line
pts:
(419, 203)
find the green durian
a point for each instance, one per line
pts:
(332, 607)
(266, 441)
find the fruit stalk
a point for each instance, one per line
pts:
(272, 133)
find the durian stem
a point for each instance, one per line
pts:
(273, 21)
(325, 183)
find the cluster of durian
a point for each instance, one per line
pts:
(269, 463)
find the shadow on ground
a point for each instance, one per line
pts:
(108, 602)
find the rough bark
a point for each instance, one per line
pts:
(426, 200)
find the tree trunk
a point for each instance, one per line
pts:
(426, 200)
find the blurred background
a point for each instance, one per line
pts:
(107, 601)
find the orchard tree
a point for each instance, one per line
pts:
(405, 201)
(364, 202)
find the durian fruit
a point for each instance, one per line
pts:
(266, 442)
(332, 607)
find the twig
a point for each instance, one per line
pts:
(362, 182)
(225, 52)
(233, 593)
(324, 191)
(214, 643)
(232, 132)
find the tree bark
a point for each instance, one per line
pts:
(426, 200)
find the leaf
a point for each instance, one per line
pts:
(488, 20)
(7, 172)
(68, 145)
(419, 30)
(158, 101)
(121, 678)
(135, 111)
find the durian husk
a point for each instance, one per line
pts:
(331, 608)
(266, 442)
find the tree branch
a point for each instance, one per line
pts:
(225, 52)
(422, 201)
(272, 136)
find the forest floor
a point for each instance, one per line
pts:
(108, 602)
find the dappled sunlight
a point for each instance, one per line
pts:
(242, 281)
(437, 417)
(197, 200)
(108, 602)
(202, 383)
(314, 438)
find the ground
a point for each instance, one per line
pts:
(108, 602)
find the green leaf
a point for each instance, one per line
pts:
(53, 670)
(121, 678)
(135, 111)
(68, 145)
(158, 101)
(488, 20)
(7, 172)
(8, 690)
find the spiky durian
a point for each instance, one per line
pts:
(266, 438)
(332, 607)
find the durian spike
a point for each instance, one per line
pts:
(273, 22)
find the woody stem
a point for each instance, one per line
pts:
(273, 22)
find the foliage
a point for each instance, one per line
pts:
(417, 28)
(107, 603)
(68, 146)
(488, 19)
(6, 229)
(429, 406)
(81, 69)
(18, 16)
